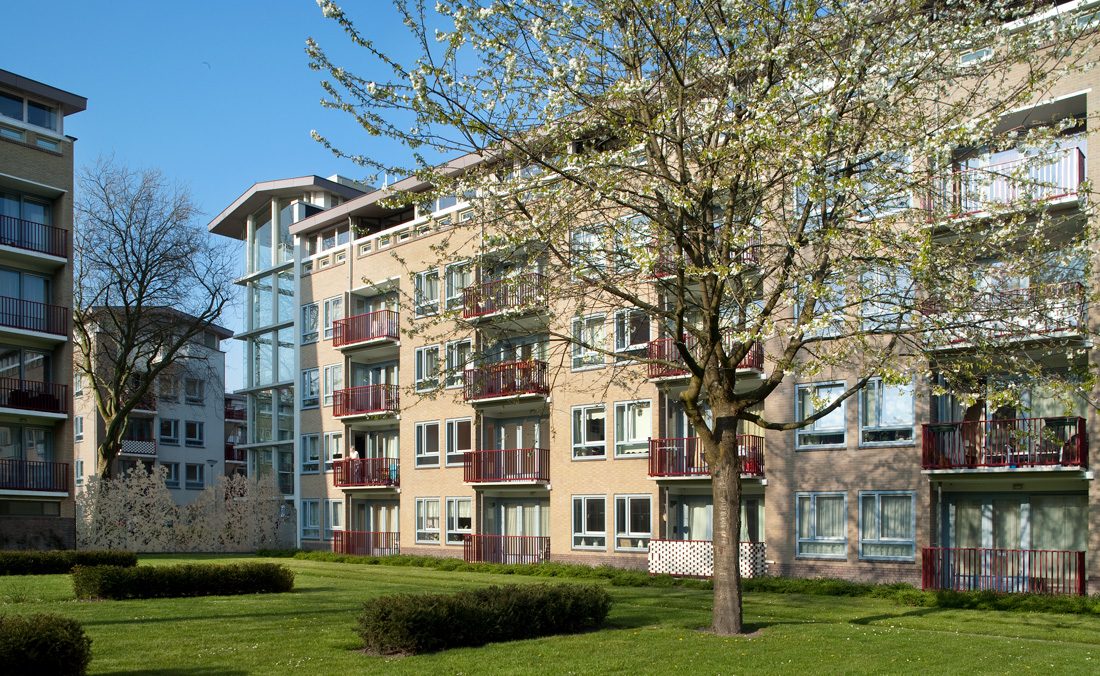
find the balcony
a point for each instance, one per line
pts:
(365, 400)
(683, 457)
(510, 294)
(505, 548)
(507, 379)
(31, 475)
(33, 396)
(667, 265)
(1019, 182)
(513, 465)
(366, 329)
(365, 543)
(665, 360)
(1032, 311)
(1024, 443)
(1027, 571)
(236, 414)
(695, 558)
(139, 448)
(234, 454)
(29, 315)
(367, 473)
(146, 404)
(34, 237)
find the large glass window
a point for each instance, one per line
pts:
(589, 431)
(589, 522)
(822, 525)
(286, 354)
(427, 444)
(427, 521)
(588, 340)
(828, 430)
(261, 240)
(285, 430)
(633, 427)
(632, 522)
(263, 359)
(631, 333)
(887, 525)
(262, 426)
(263, 309)
(285, 305)
(459, 519)
(886, 413)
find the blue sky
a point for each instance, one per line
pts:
(217, 95)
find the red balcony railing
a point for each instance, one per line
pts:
(1029, 571)
(365, 543)
(365, 399)
(503, 295)
(33, 396)
(506, 379)
(505, 548)
(378, 325)
(353, 472)
(665, 360)
(667, 264)
(31, 236)
(1042, 308)
(236, 414)
(32, 475)
(234, 454)
(513, 464)
(684, 456)
(1050, 176)
(1018, 443)
(32, 316)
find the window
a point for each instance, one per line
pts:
(194, 477)
(334, 380)
(169, 431)
(633, 427)
(457, 277)
(887, 299)
(78, 428)
(194, 432)
(48, 144)
(887, 525)
(194, 390)
(311, 453)
(459, 439)
(334, 448)
(334, 517)
(169, 388)
(829, 311)
(827, 430)
(311, 519)
(588, 256)
(311, 386)
(427, 521)
(31, 112)
(427, 367)
(886, 413)
(975, 56)
(171, 474)
(458, 356)
(459, 519)
(632, 522)
(589, 437)
(822, 525)
(427, 293)
(78, 472)
(78, 384)
(427, 444)
(589, 522)
(310, 317)
(588, 339)
(631, 333)
(333, 310)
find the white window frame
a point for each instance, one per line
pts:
(332, 311)
(78, 428)
(333, 518)
(422, 381)
(311, 388)
(198, 439)
(877, 385)
(310, 453)
(452, 521)
(585, 443)
(427, 534)
(585, 358)
(813, 538)
(171, 474)
(623, 532)
(310, 310)
(168, 387)
(78, 472)
(333, 380)
(455, 373)
(78, 384)
(643, 443)
(173, 438)
(813, 429)
(452, 293)
(623, 350)
(598, 538)
(200, 471)
(879, 540)
(421, 457)
(311, 519)
(424, 306)
(333, 448)
(196, 399)
(452, 440)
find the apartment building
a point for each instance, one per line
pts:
(36, 224)
(400, 441)
(179, 425)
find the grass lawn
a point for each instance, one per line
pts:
(649, 631)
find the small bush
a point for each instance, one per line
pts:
(61, 561)
(43, 644)
(192, 579)
(418, 623)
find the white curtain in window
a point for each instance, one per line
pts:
(1059, 522)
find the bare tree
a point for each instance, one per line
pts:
(806, 177)
(148, 284)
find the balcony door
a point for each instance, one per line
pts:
(373, 374)
(374, 516)
(376, 445)
(366, 304)
(527, 517)
(517, 349)
(506, 433)
(1057, 522)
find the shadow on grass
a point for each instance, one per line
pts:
(185, 671)
(918, 612)
(283, 613)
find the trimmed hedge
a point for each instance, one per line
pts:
(60, 561)
(43, 644)
(403, 624)
(191, 579)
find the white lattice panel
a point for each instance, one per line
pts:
(695, 558)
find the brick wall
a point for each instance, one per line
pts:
(37, 532)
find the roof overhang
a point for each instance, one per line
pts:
(231, 221)
(68, 102)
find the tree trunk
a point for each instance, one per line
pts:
(726, 531)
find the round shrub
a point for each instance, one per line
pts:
(43, 644)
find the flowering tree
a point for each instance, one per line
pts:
(809, 176)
